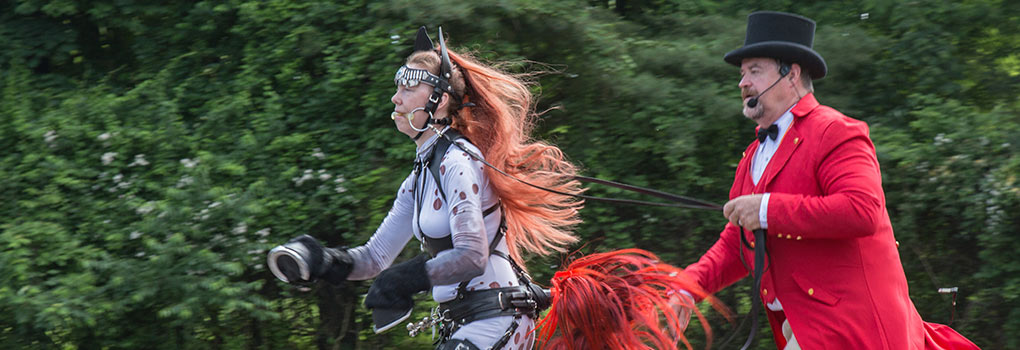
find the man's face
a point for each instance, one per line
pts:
(756, 75)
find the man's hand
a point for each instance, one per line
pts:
(743, 211)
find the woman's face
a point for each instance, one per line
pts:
(408, 99)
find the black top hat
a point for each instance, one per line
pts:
(781, 35)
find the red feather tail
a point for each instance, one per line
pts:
(625, 299)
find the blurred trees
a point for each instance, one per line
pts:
(155, 151)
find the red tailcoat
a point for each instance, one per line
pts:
(834, 263)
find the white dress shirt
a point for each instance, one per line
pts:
(766, 150)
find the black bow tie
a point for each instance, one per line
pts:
(772, 132)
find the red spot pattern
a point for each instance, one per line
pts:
(442, 170)
(517, 338)
(436, 192)
(437, 204)
(474, 187)
(494, 285)
(454, 210)
(463, 195)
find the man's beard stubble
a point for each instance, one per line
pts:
(754, 113)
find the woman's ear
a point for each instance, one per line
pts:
(444, 103)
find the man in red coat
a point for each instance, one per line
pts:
(833, 278)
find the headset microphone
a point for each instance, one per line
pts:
(784, 69)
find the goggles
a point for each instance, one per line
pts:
(410, 77)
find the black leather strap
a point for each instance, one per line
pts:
(482, 304)
(433, 245)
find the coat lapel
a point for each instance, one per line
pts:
(791, 140)
(743, 184)
(787, 145)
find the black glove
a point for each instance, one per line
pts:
(304, 260)
(395, 286)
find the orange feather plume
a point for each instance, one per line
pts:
(625, 299)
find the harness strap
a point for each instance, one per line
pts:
(438, 151)
(435, 245)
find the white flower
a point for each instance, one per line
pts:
(103, 137)
(324, 177)
(318, 153)
(304, 177)
(139, 160)
(263, 232)
(241, 228)
(146, 208)
(135, 234)
(184, 181)
(340, 189)
(50, 136)
(108, 157)
(188, 163)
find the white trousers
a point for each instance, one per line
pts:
(791, 341)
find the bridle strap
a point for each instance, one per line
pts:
(679, 201)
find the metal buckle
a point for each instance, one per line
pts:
(500, 298)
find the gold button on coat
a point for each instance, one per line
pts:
(810, 291)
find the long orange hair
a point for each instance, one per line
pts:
(500, 125)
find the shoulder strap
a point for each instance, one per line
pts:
(438, 151)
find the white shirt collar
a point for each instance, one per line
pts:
(784, 122)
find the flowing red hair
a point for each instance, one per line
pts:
(624, 299)
(500, 125)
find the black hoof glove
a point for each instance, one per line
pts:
(303, 260)
(395, 286)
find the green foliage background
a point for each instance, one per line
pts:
(154, 151)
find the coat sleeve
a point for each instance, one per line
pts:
(852, 202)
(720, 266)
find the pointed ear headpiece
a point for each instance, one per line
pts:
(411, 77)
